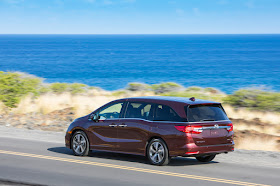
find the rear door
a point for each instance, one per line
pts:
(209, 124)
(134, 127)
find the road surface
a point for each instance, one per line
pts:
(29, 157)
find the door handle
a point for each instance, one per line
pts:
(113, 125)
(123, 125)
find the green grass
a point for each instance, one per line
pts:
(255, 99)
(77, 88)
(198, 93)
(119, 93)
(138, 87)
(166, 87)
(73, 88)
(58, 87)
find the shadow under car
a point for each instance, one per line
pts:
(177, 161)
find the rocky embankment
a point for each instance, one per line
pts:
(57, 120)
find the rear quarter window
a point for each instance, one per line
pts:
(165, 113)
(139, 110)
(197, 113)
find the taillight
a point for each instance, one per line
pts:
(182, 128)
(190, 129)
(230, 128)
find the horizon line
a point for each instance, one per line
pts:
(143, 34)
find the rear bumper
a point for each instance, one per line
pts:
(194, 150)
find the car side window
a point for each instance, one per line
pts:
(165, 113)
(139, 110)
(112, 111)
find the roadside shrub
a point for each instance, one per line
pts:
(93, 88)
(138, 87)
(194, 88)
(255, 99)
(166, 87)
(14, 86)
(76, 88)
(212, 90)
(73, 88)
(44, 89)
(203, 90)
(58, 87)
(119, 93)
(197, 95)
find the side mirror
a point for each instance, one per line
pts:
(94, 117)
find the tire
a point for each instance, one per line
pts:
(157, 152)
(80, 144)
(205, 158)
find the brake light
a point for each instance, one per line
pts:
(182, 128)
(190, 129)
(231, 127)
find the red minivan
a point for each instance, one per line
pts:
(158, 127)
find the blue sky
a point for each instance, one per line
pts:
(139, 16)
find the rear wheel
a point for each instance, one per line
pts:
(206, 158)
(157, 152)
(80, 144)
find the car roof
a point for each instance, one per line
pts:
(172, 99)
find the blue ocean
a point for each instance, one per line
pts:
(226, 62)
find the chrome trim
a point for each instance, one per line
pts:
(156, 121)
(122, 125)
(109, 119)
(164, 121)
(207, 121)
(136, 119)
(211, 128)
(219, 127)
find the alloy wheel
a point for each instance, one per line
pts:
(79, 143)
(156, 152)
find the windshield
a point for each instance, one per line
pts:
(196, 113)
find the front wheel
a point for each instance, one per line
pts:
(80, 144)
(157, 152)
(205, 158)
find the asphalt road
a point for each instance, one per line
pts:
(39, 158)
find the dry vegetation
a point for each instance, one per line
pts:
(82, 104)
(243, 113)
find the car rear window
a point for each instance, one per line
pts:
(197, 113)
